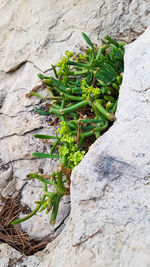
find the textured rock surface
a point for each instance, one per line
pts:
(32, 37)
(110, 215)
(14, 258)
(37, 32)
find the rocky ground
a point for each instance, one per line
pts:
(109, 222)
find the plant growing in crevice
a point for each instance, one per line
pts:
(84, 95)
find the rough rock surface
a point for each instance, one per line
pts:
(32, 37)
(37, 32)
(14, 258)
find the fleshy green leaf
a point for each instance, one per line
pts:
(86, 38)
(44, 155)
(44, 136)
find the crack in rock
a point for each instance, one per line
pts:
(15, 134)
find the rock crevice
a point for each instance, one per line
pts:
(110, 188)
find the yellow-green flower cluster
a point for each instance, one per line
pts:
(81, 57)
(89, 91)
(64, 128)
(63, 63)
(63, 151)
(69, 54)
(68, 147)
(75, 158)
(68, 138)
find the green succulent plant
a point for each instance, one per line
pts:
(85, 94)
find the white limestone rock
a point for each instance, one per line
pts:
(37, 32)
(10, 257)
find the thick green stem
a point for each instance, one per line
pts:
(54, 146)
(114, 107)
(74, 107)
(41, 178)
(78, 64)
(49, 194)
(109, 105)
(67, 96)
(60, 185)
(41, 112)
(93, 120)
(101, 51)
(31, 213)
(97, 134)
(55, 112)
(72, 97)
(55, 208)
(97, 114)
(41, 76)
(101, 109)
(71, 114)
(57, 83)
(36, 94)
(76, 73)
(93, 131)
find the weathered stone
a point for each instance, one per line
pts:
(11, 257)
(44, 28)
